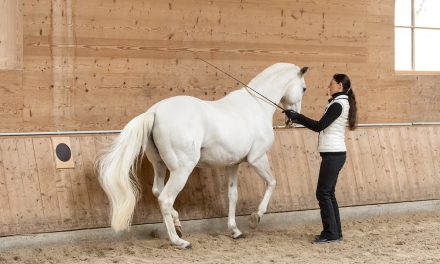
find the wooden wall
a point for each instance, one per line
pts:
(385, 164)
(92, 64)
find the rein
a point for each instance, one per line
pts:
(267, 100)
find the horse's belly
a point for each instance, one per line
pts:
(220, 157)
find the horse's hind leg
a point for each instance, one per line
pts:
(160, 171)
(262, 167)
(233, 196)
(167, 197)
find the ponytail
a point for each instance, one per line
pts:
(346, 84)
(352, 113)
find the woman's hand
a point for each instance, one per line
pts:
(291, 114)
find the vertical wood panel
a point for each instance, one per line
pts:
(281, 194)
(434, 146)
(14, 183)
(65, 197)
(46, 175)
(367, 167)
(98, 199)
(6, 216)
(310, 140)
(420, 139)
(399, 161)
(293, 174)
(392, 179)
(79, 184)
(303, 171)
(382, 183)
(411, 165)
(31, 184)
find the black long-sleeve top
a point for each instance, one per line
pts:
(332, 113)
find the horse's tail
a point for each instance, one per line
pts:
(117, 169)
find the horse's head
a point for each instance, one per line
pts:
(295, 90)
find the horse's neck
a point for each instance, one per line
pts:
(272, 88)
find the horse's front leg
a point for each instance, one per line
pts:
(233, 196)
(262, 167)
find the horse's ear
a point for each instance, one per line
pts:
(303, 71)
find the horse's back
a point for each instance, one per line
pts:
(219, 130)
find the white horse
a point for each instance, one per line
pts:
(183, 132)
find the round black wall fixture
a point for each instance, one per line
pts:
(63, 152)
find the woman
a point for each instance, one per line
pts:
(331, 145)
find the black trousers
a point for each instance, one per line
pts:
(331, 165)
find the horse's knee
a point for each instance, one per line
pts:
(272, 184)
(156, 192)
(165, 204)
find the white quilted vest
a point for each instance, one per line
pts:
(332, 139)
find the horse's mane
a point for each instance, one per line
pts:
(273, 72)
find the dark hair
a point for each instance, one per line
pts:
(346, 84)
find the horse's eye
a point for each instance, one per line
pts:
(304, 89)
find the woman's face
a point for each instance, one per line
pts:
(334, 87)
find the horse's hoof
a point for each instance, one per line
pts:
(182, 244)
(254, 220)
(179, 231)
(239, 236)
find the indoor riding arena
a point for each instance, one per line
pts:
(74, 73)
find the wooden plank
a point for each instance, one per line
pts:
(308, 199)
(13, 179)
(434, 142)
(46, 176)
(390, 171)
(294, 183)
(65, 197)
(80, 194)
(422, 147)
(368, 169)
(281, 195)
(6, 217)
(411, 166)
(402, 174)
(98, 199)
(31, 183)
(382, 183)
(361, 181)
(310, 140)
